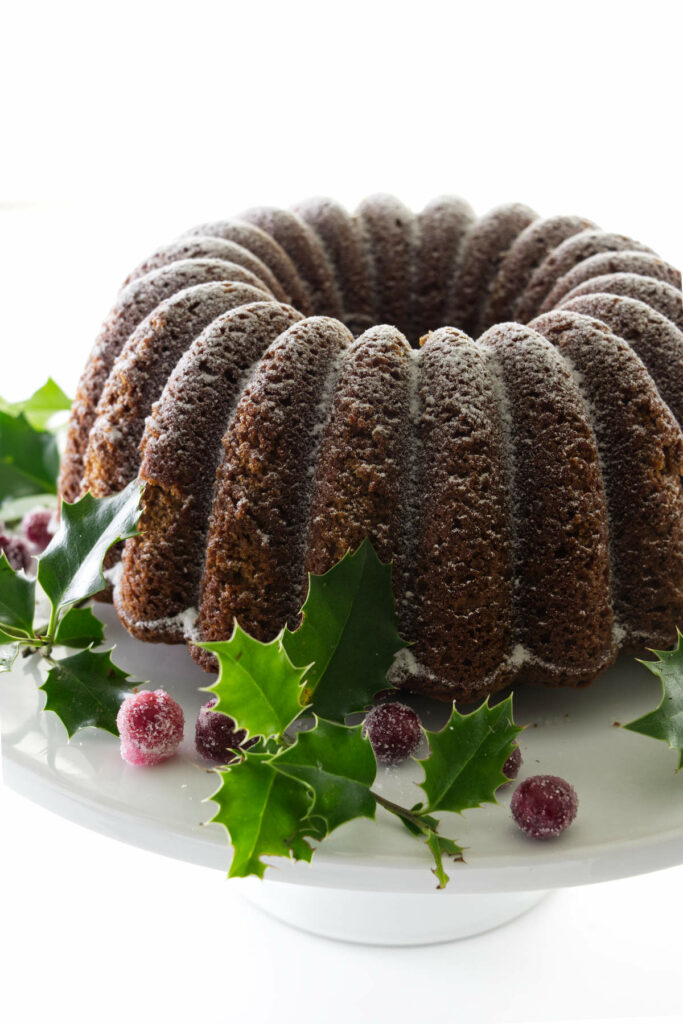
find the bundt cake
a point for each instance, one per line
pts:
(282, 385)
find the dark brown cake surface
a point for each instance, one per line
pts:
(561, 598)
(562, 259)
(181, 449)
(257, 531)
(526, 484)
(531, 247)
(641, 451)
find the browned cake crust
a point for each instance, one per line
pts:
(442, 227)
(561, 260)
(526, 486)
(268, 251)
(348, 258)
(389, 232)
(133, 304)
(180, 451)
(641, 451)
(361, 486)
(485, 249)
(305, 252)
(205, 247)
(462, 582)
(257, 529)
(140, 373)
(527, 252)
(661, 296)
(561, 598)
(653, 337)
(625, 262)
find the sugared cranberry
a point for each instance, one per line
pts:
(38, 527)
(544, 806)
(151, 725)
(216, 735)
(513, 764)
(16, 551)
(394, 731)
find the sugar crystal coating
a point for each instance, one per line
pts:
(394, 731)
(38, 527)
(513, 764)
(216, 735)
(150, 725)
(544, 806)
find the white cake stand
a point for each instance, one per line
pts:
(371, 882)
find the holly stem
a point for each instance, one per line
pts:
(402, 812)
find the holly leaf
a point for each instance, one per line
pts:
(29, 460)
(257, 685)
(41, 406)
(79, 628)
(441, 847)
(666, 721)
(17, 598)
(87, 689)
(464, 767)
(263, 811)
(338, 765)
(70, 568)
(349, 634)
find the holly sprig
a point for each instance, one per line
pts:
(29, 456)
(312, 772)
(83, 688)
(666, 721)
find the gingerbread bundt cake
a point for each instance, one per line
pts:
(282, 385)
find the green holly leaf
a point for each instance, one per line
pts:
(257, 685)
(87, 689)
(263, 811)
(41, 406)
(29, 460)
(70, 568)
(349, 634)
(17, 598)
(666, 721)
(464, 768)
(79, 628)
(441, 847)
(338, 764)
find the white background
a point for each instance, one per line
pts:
(124, 124)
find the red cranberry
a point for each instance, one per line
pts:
(16, 551)
(151, 725)
(216, 735)
(38, 527)
(394, 731)
(544, 806)
(513, 764)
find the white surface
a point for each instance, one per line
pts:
(630, 806)
(121, 126)
(387, 918)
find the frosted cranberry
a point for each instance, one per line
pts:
(394, 731)
(513, 764)
(38, 527)
(544, 806)
(16, 551)
(151, 726)
(216, 735)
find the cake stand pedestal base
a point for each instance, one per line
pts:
(386, 918)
